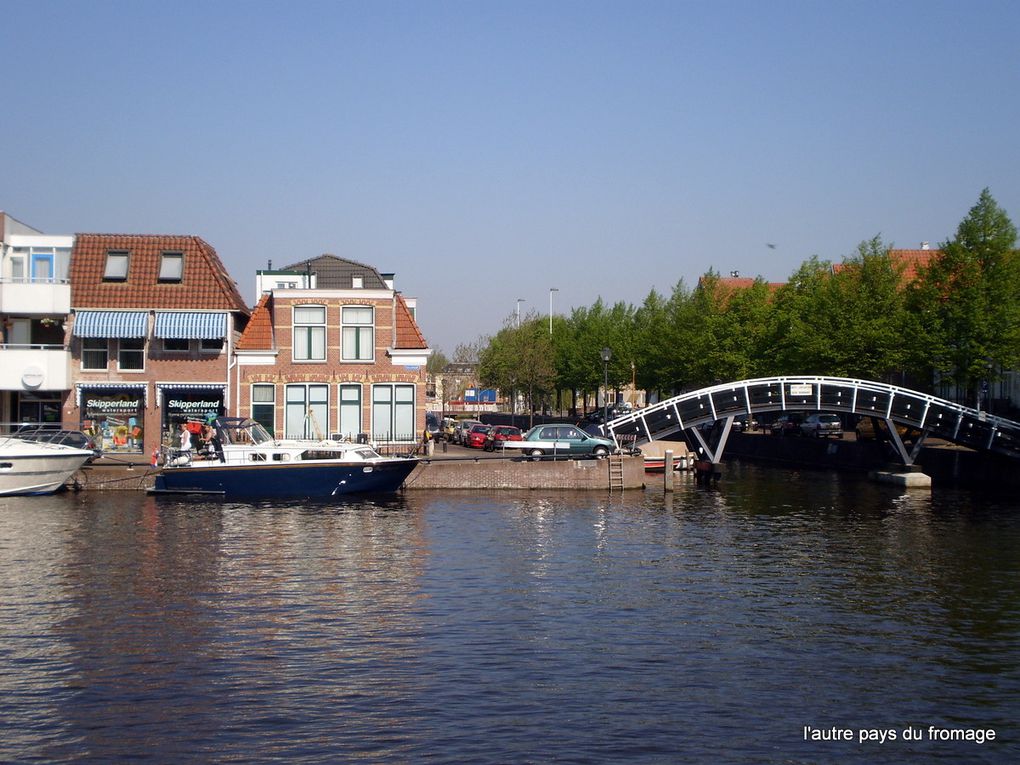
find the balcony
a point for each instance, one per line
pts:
(46, 297)
(35, 367)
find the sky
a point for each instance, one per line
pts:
(487, 152)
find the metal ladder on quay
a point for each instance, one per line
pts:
(615, 472)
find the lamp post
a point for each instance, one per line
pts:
(551, 291)
(606, 355)
(519, 301)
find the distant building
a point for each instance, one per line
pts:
(332, 349)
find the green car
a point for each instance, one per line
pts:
(562, 439)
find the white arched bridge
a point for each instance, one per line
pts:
(928, 415)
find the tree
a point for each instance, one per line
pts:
(520, 359)
(968, 300)
(437, 362)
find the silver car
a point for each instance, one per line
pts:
(819, 425)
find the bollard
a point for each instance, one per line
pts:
(667, 473)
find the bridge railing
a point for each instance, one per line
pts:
(934, 416)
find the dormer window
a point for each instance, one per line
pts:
(171, 267)
(358, 282)
(116, 266)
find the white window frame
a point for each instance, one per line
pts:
(307, 403)
(120, 354)
(394, 409)
(308, 334)
(355, 335)
(270, 404)
(176, 275)
(84, 350)
(113, 274)
(343, 404)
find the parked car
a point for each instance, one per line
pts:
(562, 439)
(744, 424)
(865, 429)
(475, 438)
(822, 426)
(449, 424)
(461, 428)
(500, 434)
(786, 425)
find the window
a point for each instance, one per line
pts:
(263, 405)
(309, 333)
(176, 344)
(95, 353)
(212, 345)
(18, 273)
(358, 333)
(132, 354)
(116, 267)
(358, 282)
(171, 267)
(307, 411)
(350, 411)
(393, 413)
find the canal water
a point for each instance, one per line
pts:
(765, 621)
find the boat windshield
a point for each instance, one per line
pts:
(241, 431)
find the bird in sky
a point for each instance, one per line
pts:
(770, 245)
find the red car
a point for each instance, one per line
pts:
(498, 434)
(475, 438)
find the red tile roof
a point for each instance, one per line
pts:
(205, 285)
(408, 334)
(258, 335)
(912, 260)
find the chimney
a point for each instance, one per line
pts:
(925, 246)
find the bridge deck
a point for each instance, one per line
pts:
(930, 415)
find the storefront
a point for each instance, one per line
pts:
(114, 416)
(189, 403)
(42, 408)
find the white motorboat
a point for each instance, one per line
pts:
(30, 466)
(248, 462)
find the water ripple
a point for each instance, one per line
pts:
(510, 627)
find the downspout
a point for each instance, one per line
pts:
(231, 363)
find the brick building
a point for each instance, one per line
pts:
(153, 328)
(332, 349)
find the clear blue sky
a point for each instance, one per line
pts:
(489, 151)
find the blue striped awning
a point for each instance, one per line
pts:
(111, 324)
(184, 325)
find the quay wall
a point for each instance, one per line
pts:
(435, 473)
(945, 463)
(523, 474)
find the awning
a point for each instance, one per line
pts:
(183, 325)
(111, 324)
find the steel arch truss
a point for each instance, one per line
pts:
(931, 416)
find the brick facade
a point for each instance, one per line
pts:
(337, 359)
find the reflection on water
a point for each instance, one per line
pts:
(706, 625)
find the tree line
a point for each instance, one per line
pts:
(955, 319)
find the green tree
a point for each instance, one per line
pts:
(520, 359)
(967, 301)
(437, 362)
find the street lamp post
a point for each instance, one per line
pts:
(606, 355)
(551, 291)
